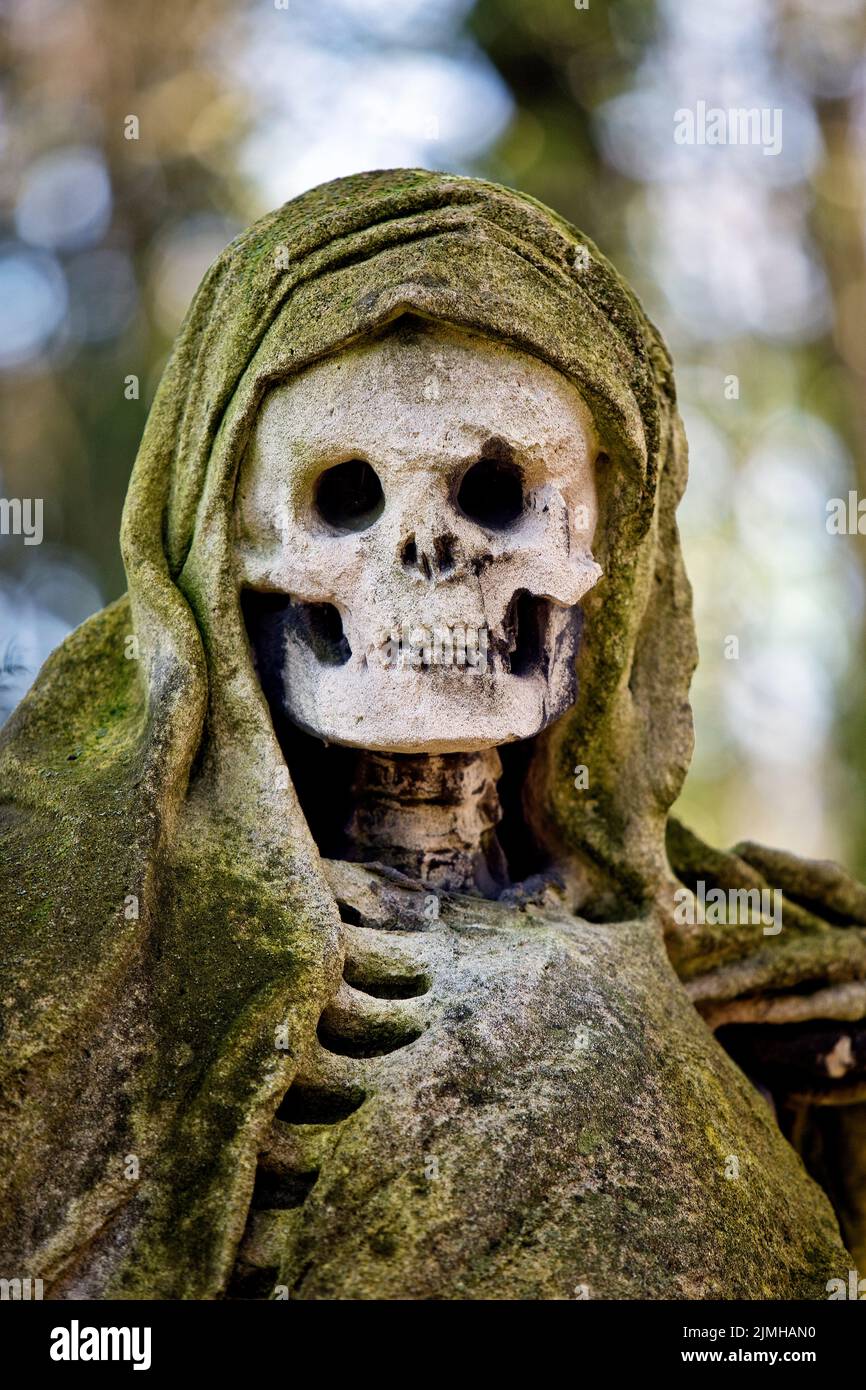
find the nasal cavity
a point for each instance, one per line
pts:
(440, 562)
(443, 549)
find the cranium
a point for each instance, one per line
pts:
(420, 509)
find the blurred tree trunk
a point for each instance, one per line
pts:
(839, 221)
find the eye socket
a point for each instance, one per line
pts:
(349, 496)
(491, 493)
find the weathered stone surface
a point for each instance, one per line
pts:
(563, 1125)
(174, 967)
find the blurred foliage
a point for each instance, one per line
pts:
(754, 268)
(561, 65)
(70, 433)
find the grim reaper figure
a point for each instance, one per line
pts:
(341, 956)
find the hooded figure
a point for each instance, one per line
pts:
(232, 1067)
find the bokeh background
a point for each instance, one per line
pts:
(753, 266)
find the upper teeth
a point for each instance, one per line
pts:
(442, 644)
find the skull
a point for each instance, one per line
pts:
(414, 518)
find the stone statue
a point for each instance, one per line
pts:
(349, 948)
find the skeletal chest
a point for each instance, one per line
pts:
(502, 1104)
